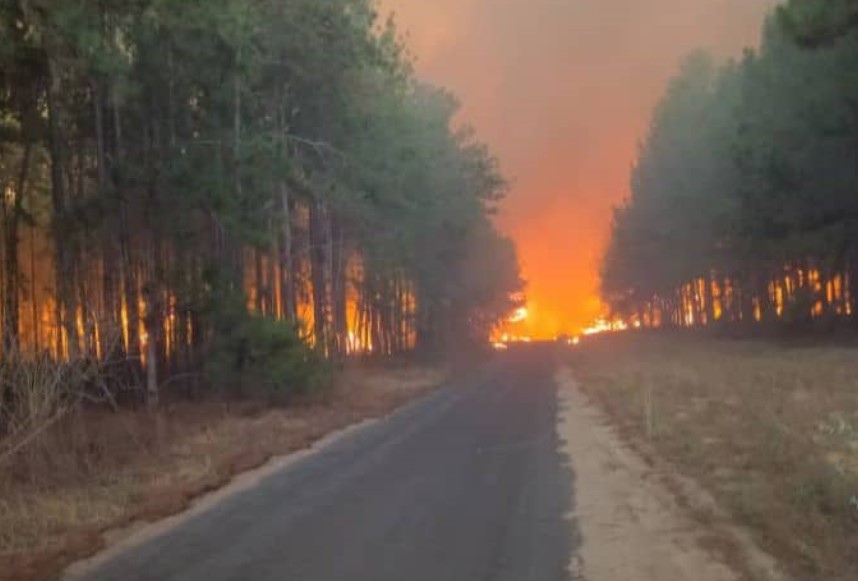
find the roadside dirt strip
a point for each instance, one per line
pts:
(632, 525)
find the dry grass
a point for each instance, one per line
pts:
(95, 471)
(771, 431)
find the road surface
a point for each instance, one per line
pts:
(469, 484)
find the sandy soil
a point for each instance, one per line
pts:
(632, 526)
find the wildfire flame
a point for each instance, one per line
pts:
(605, 325)
(519, 316)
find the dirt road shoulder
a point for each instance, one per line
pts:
(632, 524)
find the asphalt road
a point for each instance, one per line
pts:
(468, 484)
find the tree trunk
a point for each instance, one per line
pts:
(709, 298)
(154, 318)
(271, 296)
(152, 334)
(127, 261)
(339, 290)
(318, 270)
(34, 304)
(11, 279)
(110, 315)
(66, 331)
(287, 266)
(850, 293)
(746, 300)
(259, 282)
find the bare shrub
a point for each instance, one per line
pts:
(36, 391)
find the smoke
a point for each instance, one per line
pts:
(562, 90)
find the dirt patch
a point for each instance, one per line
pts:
(632, 523)
(93, 477)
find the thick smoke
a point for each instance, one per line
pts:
(562, 90)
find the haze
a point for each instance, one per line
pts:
(562, 90)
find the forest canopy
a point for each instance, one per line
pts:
(207, 184)
(743, 207)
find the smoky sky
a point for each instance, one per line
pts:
(562, 90)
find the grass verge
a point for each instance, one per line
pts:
(98, 471)
(770, 431)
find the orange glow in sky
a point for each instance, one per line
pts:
(562, 90)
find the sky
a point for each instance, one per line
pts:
(562, 91)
